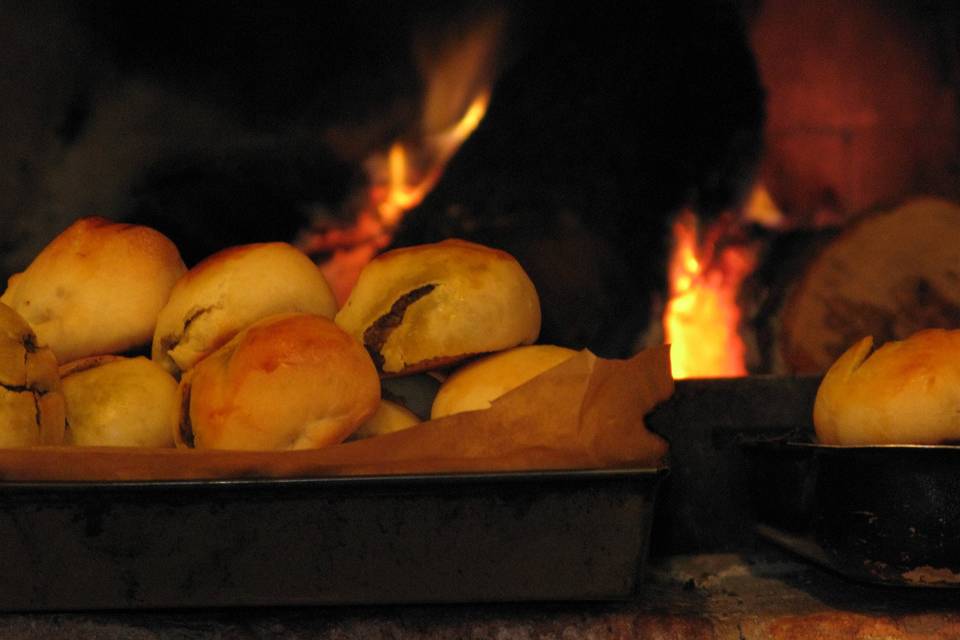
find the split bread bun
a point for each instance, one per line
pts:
(290, 381)
(114, 401)
(31, 403)
(230, 290)
(422, 307)
(96, 288)
(905, 392)
(476, 385)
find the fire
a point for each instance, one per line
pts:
(410, 171)
(458, 76)
(702, 317)
(400, 180)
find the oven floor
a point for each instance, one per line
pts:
(758, 595)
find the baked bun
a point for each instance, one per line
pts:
(389, 417)
(230, 290)
(426, 306)
(906, 392)
(31, 405)
(119, 402)
(477, 384)
(96, 288)
(290, 381)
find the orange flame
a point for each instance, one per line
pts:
(410, 171)
(458, 77)
(401, 178)
(702, 317)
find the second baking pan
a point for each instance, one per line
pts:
(885, 514)
(557, 535)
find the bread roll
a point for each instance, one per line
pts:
(119, 402)
(96, 288)
(906, 392)
(230, 290)
(31, 404)
(389, 417)
(421, 307)
(290, 381)
(476, 385)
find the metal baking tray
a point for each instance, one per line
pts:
(484, 537)
(887, 514)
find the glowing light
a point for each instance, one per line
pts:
(458, 76)
(761, 209)
(702, 317)
(413, 170)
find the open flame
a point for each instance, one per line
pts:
(400, 179)
(701, 320)
(413, 170)
(458, 76)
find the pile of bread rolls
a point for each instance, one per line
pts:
(247, 349)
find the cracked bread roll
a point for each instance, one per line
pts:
(96, 288)
(31, 402)
(422, 307)
(114, 401)
(230, 290)
(905, 392)
(476, 385)
(289, 381)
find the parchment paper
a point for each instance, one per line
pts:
(586, 413)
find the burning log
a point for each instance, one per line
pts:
(889, 275)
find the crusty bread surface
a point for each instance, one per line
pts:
(31, 402)
(477, 384)
(230, 290)
(97, 288)
(905, 392)
(430, 305)
(289, 381)
(119, 402)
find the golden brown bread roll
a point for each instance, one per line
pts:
(96, 288)
(389, 417)
(230, 290)
(119, 402)
(906, 392)
(31, 404)
(476, 385)
(289, 381)
(430, 305)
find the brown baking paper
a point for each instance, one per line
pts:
(586, 413)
